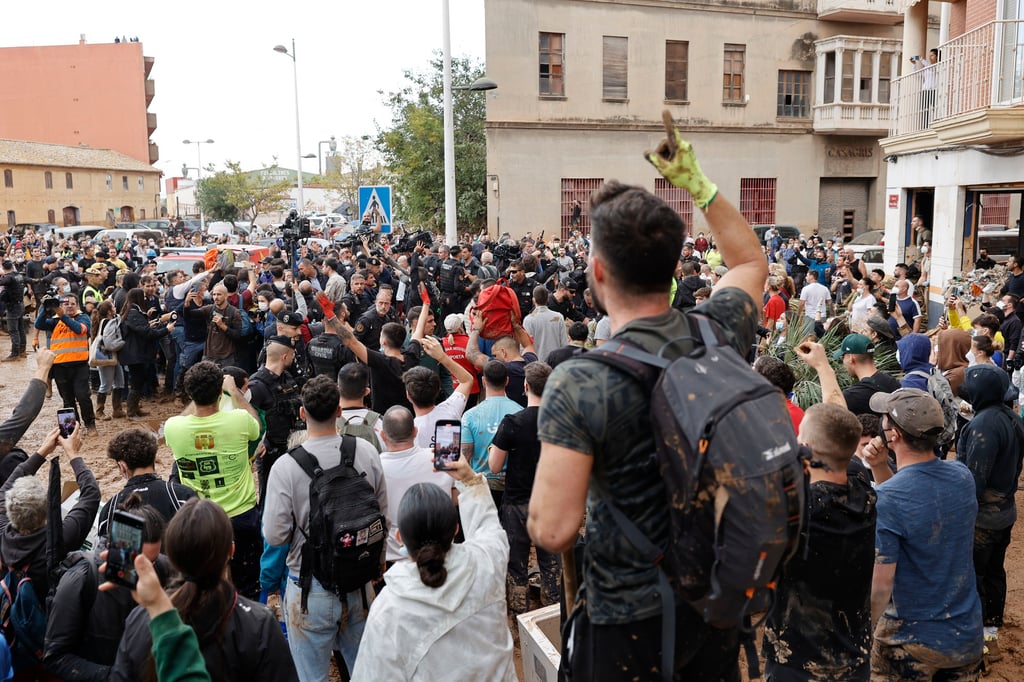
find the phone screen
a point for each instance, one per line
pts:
(892, 302)
(66, 421)
(447, 444)
(125, 545)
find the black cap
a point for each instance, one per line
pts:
(281, 340)
(102, 253)
(290, 318)
(50, 260)
(268, 259)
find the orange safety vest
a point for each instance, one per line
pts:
(69, 346)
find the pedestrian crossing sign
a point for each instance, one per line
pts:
(375, 207)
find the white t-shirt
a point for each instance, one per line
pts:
(451, 408)
(815, 297)
(403, 470)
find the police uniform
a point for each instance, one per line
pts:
(368, 328)
(357, 304)
(451, 286)
(278, 398)
(327, 354)
(524, 292)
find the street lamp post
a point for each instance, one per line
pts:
(199, 173)
(332, 146)
(451, 227)
(298, 136)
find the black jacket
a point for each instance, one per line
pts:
(166, 497)
(17, 550)
(84, 626)
(250, 649)
(991, 446)
(140, 340)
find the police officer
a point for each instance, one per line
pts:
(523, 286)
(451, 282)
(289, 326)
(96, 276)
(276, 394)
(327, 353)
(368, 326)
(357, 300)
(13, 284)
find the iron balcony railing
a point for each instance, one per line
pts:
(980, 69)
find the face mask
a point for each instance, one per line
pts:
(248, 395)
(924, 249)
(970, 357)
(263, 306)
(279, 285)
(779, 325)
(1000, 305)
(66, 288)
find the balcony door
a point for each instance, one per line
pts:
(1010, 41)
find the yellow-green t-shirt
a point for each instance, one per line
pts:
(212, 454)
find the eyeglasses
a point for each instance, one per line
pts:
(513, 272)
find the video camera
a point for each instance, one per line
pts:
(355, 240)
(508, 251)
(51, 300)
(295, 228)
(408, 242)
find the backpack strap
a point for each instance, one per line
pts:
(309, 465)
(311, 468)
(654, 554)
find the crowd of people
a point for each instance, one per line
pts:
(330, 371)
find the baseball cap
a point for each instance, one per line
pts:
(50, 260)
(102, 253)
(453, 322)
(858, 344)
(290, 318)
(281, 340)
(916, 412)
(880, 327)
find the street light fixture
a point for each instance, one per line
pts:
(332, 146)
(451, 227)
(199, 172)
(298, 136)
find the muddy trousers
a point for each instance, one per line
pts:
(989, 557)
(72, 379)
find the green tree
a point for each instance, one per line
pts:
(356, 163)
(413, 148)
(233, 194)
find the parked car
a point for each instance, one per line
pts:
(78, 231)
(1000, 244)
(162, 224)
(786, 231)
(872, 256)
(864, 241)
(237, 232)
(141, 236)
(41, 229)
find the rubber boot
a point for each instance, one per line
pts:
(101, 404)
(118, 409)
(134, 411)
(518, 598)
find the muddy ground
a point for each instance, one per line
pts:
(14, 376)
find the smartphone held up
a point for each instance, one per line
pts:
(125, 544)
(66, 421)
(447, 443)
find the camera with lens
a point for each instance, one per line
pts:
(409, 242)
(295, 228)
(51, 300)
(507, 251)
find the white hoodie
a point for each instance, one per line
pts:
(458, 631)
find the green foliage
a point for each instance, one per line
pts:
(234, 194)
(356, 164)
(413, 148)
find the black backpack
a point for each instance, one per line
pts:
(347, 528)
(734, 479)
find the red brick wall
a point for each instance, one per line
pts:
(979, 12)
(957, 19)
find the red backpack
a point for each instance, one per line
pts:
(495, 303)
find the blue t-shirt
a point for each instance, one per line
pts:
(479, 426)
(925, 526)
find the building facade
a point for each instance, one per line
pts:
(96, 95)
(783, 101)
(51, 183)
(955, 149)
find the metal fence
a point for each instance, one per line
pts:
(979, 69)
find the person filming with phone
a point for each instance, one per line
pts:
(450, 599)
(69, 341)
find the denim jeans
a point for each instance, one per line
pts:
(313, 636)
(191, 353)
(111, 376)
(16, 328)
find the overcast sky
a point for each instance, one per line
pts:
(218, 77)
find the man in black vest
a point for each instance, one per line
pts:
(275, 393)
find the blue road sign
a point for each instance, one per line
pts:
(375, 207)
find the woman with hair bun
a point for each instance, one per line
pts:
(239, 639)
(447, 605)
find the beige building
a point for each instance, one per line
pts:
(784, 102)
(52, 183)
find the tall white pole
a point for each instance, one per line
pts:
(199, 173)
(451, 229)
(298, 136)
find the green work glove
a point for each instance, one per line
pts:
(675, 160)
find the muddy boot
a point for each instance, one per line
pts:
(101, 405)
(518, 599)
(134, 411)
(118, 409)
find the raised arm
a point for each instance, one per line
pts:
(342, 328)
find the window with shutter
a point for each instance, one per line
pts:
(616, 52)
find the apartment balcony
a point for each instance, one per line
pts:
(851, 118)
(852, 76)
(973, 96)
(151, 122)
(860, 11)
(147, 65)
(154, 152)
(150, 90)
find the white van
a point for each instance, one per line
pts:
(237, 233)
